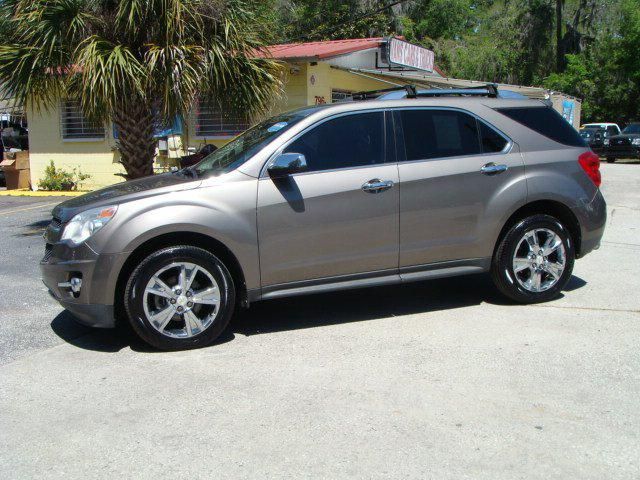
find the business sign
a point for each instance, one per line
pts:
(409, 55)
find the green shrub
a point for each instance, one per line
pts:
(58, 179)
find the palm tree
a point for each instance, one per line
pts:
(136, 62)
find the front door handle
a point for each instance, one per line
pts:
(493, 169)
(376, 185)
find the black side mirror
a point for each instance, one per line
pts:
(287, 164)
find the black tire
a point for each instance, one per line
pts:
(137, 283)
(502, 270)
(611, 160)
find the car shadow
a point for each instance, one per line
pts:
(34, 229)
(314, 311)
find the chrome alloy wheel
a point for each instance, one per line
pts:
(181, 300)
(539, 260)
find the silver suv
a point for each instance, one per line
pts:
(333, 197)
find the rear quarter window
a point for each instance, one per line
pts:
(545, 121)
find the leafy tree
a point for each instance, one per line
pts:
(135, 62)
(307, 20)
(439, 19)
(607, 73)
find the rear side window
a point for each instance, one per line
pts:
(492, 141)
(438, 133)
(349, 141)
(545, 121)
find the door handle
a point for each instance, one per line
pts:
(493, 169)
(376, 185)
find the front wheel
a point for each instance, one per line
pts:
(179, 297)
(534, 260)
(611, 159)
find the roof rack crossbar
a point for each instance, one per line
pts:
(488, 90)
(369, 94)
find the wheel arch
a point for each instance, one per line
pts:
(194, 239)
(548, 207)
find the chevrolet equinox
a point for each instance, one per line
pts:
(333, 197)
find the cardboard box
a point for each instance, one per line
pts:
(17, 178)
(20, 160)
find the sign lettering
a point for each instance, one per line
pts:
(409, 55)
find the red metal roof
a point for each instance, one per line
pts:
(321, 50)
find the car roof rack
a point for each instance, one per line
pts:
(371, 94)
(488, 90)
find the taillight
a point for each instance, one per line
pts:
(590, 163)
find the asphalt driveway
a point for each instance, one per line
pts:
(441, 379)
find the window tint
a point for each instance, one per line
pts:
(438, 133)
(348, 141)
(492, 141)
(547, 122)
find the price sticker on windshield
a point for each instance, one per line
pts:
(277, 126)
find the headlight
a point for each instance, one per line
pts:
(606, 141)
(636, 141)
(85, 224)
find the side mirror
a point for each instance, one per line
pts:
(286, 164)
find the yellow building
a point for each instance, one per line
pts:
(316, 72)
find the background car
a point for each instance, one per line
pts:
(625, 145)
(599, 143)
(595, 137)
(609, 128)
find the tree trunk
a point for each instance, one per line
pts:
(137, 146)
(559, 43)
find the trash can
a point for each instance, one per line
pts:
(15, 166)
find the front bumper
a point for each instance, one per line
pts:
(92, 304)
(622, 151)
(99, 316)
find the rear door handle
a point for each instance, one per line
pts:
(493, 169)
(376, 185)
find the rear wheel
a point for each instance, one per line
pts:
(534, 260)
(611, 159)
(180, 297)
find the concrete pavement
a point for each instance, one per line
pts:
(441, 379)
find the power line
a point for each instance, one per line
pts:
(338, 27)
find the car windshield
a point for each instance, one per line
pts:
(633, 128)
(243, 147)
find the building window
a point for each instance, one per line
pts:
(75, 125)
(211, 121)
(340, 96)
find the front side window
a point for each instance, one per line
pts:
(348, 141)
(75, 125)
(633, 128)
(430, 133)
(245, 146)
